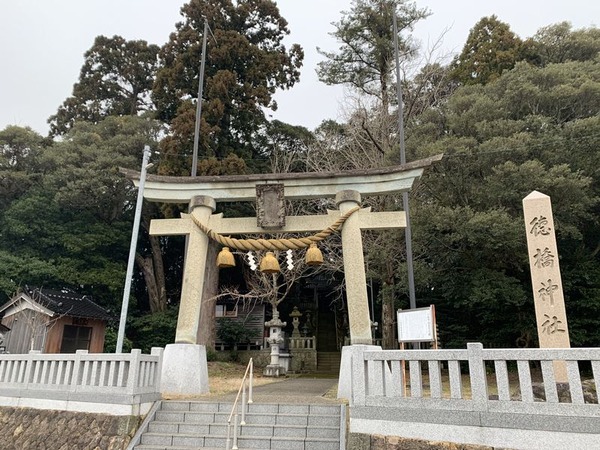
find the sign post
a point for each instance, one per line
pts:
(417, 325)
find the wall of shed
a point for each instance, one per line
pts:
(47, 333)
(23, 326)
(55, 334)
(253, 320)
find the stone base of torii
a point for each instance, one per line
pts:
(184, 371)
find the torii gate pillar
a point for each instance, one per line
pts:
(354, 270)
(185, 369)
(201, 206)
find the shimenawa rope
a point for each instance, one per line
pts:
(274, 244)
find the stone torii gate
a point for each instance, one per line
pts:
(202, 194)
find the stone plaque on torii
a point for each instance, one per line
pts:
(202, 194)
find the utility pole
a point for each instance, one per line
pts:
(199, 103)
(200, 92)
(132, 248)
(407, 230)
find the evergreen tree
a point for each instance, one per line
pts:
(115, 80)
(559, 43)
(365, 59)
(490, 49)
(70, 225)
(246, 62)
(531, 129)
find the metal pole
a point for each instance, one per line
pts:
(251, 381)
(132, 248)
(199, 103)
(243, 405)
(407, 231)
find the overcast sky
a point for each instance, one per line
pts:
(42, 44)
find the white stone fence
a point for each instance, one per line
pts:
(302, 343)
(497, 397)
(121, 383)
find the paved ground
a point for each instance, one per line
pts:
(292, 390)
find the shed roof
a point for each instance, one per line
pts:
(66, 302)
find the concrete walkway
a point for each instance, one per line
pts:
(291, 390)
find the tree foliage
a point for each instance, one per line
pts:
(490, 49)
(286, 146)
(559, 43)
(233, 333)
(509, 130)
(115, 79)
(365, 58)
(153, 330)
(246, 62)
(20, 150)
(503, 140)
(70, 224)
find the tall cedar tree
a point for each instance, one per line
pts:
(115, 80)
(490, 49)
(246, 62)
(365, 59)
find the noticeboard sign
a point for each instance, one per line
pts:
(416, 325)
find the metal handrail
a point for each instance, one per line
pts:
(248, 376)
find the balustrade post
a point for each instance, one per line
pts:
(243, 405)
(29, 368)
(157, 351)
(251, 381)
(477, 376)
(134, 370)
(235, 432)
(359, 379)
(77, 377)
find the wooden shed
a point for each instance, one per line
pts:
(53, 321)
(252, 319)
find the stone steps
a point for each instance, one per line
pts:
(248, 429)
(328, 362)
(181, 425)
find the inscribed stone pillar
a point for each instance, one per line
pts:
(196, 250)
(549, 302)
(354, 270)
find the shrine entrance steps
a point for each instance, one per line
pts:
(179, 425)
(328, 363)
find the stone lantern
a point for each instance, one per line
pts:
(275, 340)
(295, 315)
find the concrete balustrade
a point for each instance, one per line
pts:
(381, 375)
(121, 384)
(496, 397)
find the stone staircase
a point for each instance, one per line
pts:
(329, 362)
(179, 425)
